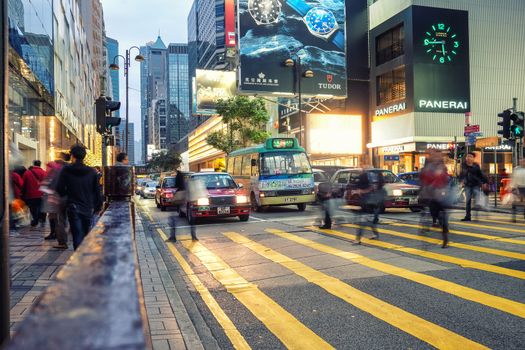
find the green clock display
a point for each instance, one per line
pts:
(441, 43)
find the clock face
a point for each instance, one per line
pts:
(264, 11)
(441, 43)
(320, 21)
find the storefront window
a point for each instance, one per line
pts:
(390, 45)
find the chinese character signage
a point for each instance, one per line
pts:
(272, 31)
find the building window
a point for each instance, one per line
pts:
(390, 45)
(391, 86)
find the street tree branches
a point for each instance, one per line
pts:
(165, 161)
(246, 120)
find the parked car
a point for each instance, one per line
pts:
(411, 178)
(330, 170)
(149, 189)
(224, 198)
(165, 192)
(398, 193)
(139, 185)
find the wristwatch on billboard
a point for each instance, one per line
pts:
(320, 22)
(264, 12)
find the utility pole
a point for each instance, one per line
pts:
(517, 141)
(4, 166)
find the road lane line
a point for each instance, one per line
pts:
(506, 305)
(292, 333)
(225, 322)
(470, 224)
(463, 233)
(418, 327)
(492, 220)
(492, 251)
(430, 255)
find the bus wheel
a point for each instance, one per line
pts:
(255, 206)
(301, 207)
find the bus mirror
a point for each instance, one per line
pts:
(254, 162)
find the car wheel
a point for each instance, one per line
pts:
(415, 209)
(162, 208)
(255, 206)
(301, 207)
(244, 217)
(189, 215)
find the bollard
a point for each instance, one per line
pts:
(118, 182)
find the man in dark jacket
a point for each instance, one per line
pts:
(472, 179)
(78, 183)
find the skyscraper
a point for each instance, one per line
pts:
(178, 93)
(112, 47)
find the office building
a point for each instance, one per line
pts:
(178, 93)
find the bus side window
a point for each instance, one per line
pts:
(230, 165)
(237, 166)
(246, 165)
(255, 164)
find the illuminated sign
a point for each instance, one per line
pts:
(447, 105)
(339, 134)
(391, 109)
(212, 86)
(283, 143)
(229, 22)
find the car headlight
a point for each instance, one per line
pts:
(203, 201)
(308, 191)
(397, 193)
(242, 199)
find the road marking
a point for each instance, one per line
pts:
(502, 304)
(470, 234)
(292, 333)
(430, 255)
(495, 220)
(492, 251)
(470, 224)
(226, 323)
(418, 327)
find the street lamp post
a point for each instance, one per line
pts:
(299, 74)
(127, 63)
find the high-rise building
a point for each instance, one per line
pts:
(112, 48)
(178, 93)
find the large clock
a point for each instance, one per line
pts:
(264, 12)
(441, 43)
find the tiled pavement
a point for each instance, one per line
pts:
(34, 263)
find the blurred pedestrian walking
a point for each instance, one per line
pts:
(78, 183)
(371, 193)
(435, 184)
(324, 196)
(31, 193)
(187, 191)
(517, 185)
(473, 179)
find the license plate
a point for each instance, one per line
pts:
(223, 210)
(290, 200)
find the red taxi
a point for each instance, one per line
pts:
(165, 192)
(219, 196)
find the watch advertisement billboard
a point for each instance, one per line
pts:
(441, 60)
(310, 32)
(211, 86)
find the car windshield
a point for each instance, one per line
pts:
(169, 182)
(321, 177)
(151, 184)
(216, 181)
(388, 176)
(277, 163)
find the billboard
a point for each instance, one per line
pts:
(229, 23)
(272, 31)
(336, 134)
(441, 60)
(211, 86)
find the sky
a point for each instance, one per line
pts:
(134, 23)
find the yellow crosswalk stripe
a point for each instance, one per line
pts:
(492, 251)
(292, 333)
(505, 305)
(492, 227)
(418, 327)
(501, 222)
(470, 234)
(227, 325)
(430, 255)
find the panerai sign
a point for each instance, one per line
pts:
(446, 105)
(391, 109)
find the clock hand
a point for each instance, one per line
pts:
(443, 48)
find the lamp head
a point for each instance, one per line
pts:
(308, 74)
(289, 62)
(139, 58)
(114, 66)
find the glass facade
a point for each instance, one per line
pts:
(178, 91)
(112, 47)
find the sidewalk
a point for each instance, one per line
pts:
(34, 264)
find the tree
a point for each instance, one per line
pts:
(245, 119)
(165, 161)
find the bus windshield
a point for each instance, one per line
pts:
(277, 163)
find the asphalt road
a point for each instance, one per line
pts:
(277, 282)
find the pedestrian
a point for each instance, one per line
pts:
(472, 178)
(517, 184)
(189, 192)
(31, 192)
(122, 159)
(17, 181)
(435, 182)
(371, 196)
(54, 203)
(78, 183)
(324, 196)
(17, 185)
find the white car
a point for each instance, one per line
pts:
(149, 189)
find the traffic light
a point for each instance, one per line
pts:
(104, 106)
(461, 152)
(516, 129)
(505, 124)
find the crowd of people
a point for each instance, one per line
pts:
(66, 193)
